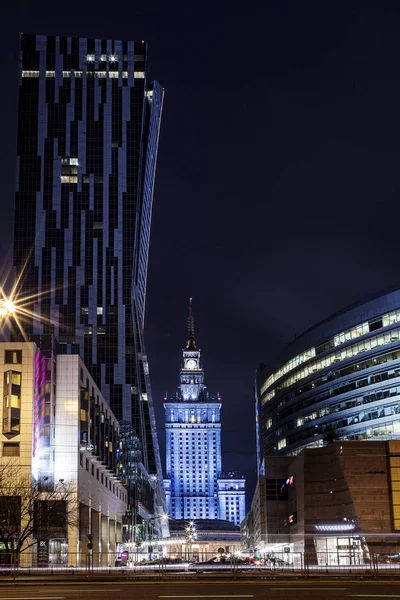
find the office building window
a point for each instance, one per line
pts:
(13, 357)
(11, 402)
(11, 449)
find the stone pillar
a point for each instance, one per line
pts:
(118, 532)
(72, 535)
(84, 530)
(105, 531)
(96, 537)
(112, 546)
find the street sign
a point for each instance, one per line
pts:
(43, 553)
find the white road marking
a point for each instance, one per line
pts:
(213, 596)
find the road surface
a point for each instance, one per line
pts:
(195, 590)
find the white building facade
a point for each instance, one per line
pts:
(57, 426)
(232, 498)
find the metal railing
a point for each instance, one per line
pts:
(259, 564)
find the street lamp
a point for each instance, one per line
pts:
(16, 309)
(7, 307)
(191, 535)
(149, 531)
(90, 551)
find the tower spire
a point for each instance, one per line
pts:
(191, 343)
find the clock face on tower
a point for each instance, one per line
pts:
(191, 364)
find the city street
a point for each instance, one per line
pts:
(160, 590)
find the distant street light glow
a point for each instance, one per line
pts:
(9, 306)
(18, 310)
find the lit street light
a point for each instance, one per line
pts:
(7, 307)
(191, 535)
(17, 310)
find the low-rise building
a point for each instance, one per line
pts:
(57, 427)
(337, 504)
(198, 539)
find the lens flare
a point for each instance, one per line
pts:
(19, 311)
(9, 306)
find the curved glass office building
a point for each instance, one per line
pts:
(339, 380)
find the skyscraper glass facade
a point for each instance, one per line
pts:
(88, 128)
(339, 380)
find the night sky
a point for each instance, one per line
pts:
(277, 189)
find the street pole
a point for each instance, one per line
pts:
(90, 551)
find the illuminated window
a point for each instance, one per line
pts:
(11, 402)
(69, 170)
(281, 443)
(351, 334)
(103, 57)
(30, 73)
(90, 57)
(310, 417)
(289, 366)
(390, 318)
(113, 58)
(339, 355)
(66, 163)
(139, 74)
(13, 357)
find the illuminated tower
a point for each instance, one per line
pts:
(88, 129)
(193, 440)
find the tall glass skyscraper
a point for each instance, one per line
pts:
(88, 130)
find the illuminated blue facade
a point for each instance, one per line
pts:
(195, 487)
